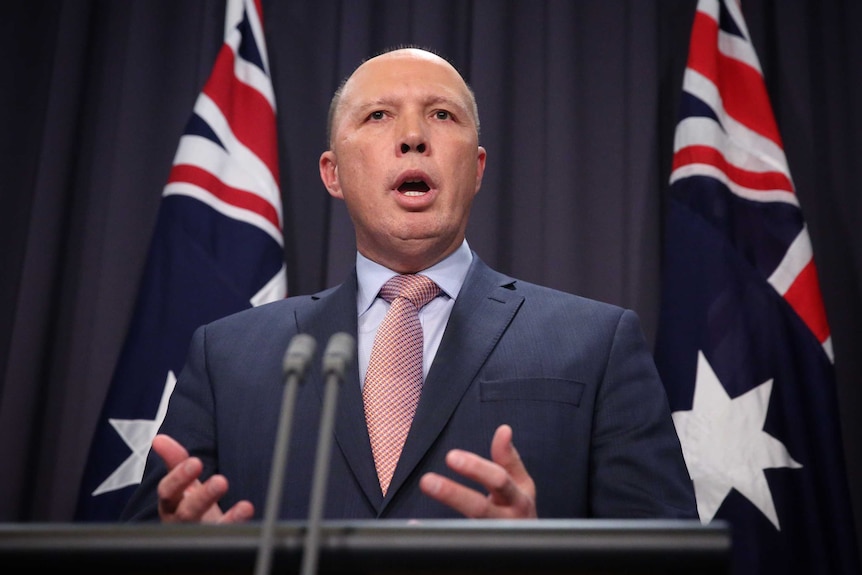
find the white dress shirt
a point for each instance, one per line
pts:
(449, 274)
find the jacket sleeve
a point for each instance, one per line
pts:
(189, 420)
(636, 461)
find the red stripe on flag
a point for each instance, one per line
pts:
(703, 48)
(250, 115)
(711, 156)
(745, 97)
(743, 94)
(805, 298)
(234, 196)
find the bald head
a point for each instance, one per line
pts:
(404, 155)
(404, 54)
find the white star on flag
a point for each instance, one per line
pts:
(138, 435)
(725, 447)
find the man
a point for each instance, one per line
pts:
(570, 380)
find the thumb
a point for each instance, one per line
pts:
(504, 454)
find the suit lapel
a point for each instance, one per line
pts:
(336, 312)
(481, 314)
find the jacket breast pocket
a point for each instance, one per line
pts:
(554, 390)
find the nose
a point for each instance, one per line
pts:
(413, 137)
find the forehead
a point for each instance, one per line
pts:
(402, 74)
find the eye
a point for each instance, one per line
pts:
(377, 115)
(442, 115)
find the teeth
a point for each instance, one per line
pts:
(414, 193)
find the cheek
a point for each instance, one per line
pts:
(361, 168)
(468, 175)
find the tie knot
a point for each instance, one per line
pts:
(418, 289)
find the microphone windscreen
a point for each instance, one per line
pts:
(298, 355)
(339, 353)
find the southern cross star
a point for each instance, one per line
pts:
(725, 447)
(138, 435)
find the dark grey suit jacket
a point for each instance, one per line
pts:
(573, 377)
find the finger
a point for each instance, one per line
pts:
(489, 474)
(502, 446)
(505, 499)
(200, 501)
(503, 453)
(466, 501)
(169, 450)
(177, 482)
(241, 512)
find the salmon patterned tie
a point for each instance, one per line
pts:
(393, 381)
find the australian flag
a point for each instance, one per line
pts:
(217, 248)
(744, 347)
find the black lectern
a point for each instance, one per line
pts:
(547, 546)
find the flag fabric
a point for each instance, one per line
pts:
(217, 248)
(743, 345)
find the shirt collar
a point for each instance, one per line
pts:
(449, 274)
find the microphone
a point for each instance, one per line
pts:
(296, 359)
(337, 357)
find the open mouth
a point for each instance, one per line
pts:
(413, 187)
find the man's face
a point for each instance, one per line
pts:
(405, 158)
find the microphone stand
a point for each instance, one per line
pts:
(338, 355)
(296, 359)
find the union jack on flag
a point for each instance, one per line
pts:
(743, 346)
(217, 248)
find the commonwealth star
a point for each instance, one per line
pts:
(725, 447)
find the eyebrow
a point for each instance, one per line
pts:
(431, 101)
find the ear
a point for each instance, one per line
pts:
(329, 174)
(480, 167)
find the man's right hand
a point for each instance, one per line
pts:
(183, 498)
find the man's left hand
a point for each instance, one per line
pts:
(511, 490)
